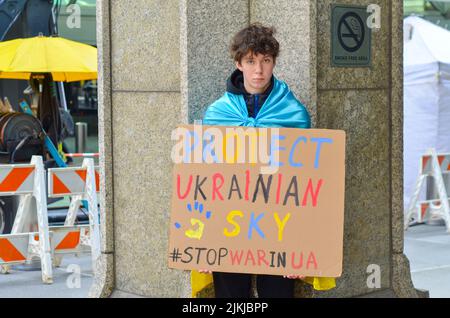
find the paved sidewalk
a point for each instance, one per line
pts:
(428, 250)
(426, 246)
(28, 283)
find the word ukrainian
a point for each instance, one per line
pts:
(274, 189)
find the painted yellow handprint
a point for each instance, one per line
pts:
(196, 231)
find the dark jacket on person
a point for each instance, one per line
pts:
(235, 85)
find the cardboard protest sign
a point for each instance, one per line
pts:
(254, 200)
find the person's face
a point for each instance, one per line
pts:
(258, 70)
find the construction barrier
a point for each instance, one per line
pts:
(419, 211)
(28, 241)
(82, 184)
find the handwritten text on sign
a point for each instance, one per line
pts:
(265, 201)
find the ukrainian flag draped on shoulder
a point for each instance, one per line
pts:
(281, 109)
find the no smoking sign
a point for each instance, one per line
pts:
(350, 36)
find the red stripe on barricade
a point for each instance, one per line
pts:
(71, 241)
(9, 253)
(82, 174)
(14, 179)
(97, 181)
(424, 209)
(58, 186)
(82, 154)
(424, 162)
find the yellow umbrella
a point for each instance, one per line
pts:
(66, 60)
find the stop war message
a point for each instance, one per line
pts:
(257, 200)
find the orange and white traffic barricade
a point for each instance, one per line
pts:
(29, 238)
(81, 184)
(435, 165)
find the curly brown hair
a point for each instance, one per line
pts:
(257, 39)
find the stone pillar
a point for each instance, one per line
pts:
(162, 62)
(207, 28)
(295, 23)
(140, 104)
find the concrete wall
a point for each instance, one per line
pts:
(164, 62)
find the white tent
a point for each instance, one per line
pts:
(426, 95)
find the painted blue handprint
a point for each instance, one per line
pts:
(198, 232)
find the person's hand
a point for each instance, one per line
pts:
(204, 271)
(294, 276)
